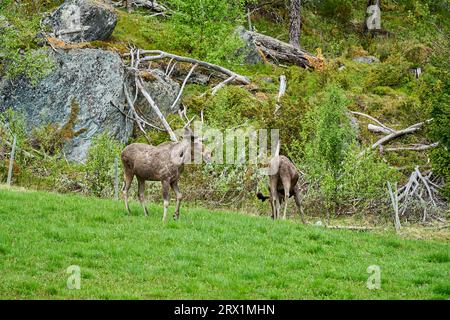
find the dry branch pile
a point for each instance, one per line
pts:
(421, 194)
(137, 67)
(391, 134)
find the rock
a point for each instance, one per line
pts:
(164, 91)
(82, 20)
(249, 50)
(93, 78)
(367, 59)
(197, 77)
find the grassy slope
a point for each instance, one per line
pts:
(207, 254)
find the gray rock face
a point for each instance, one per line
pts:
(368, 59)
(94, 78)
(249, 51)
(163, 91)
(82, 20)
(91, 77)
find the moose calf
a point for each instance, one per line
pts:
(283, 184)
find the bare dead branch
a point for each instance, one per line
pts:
(399, 133)
(158, 55)
(373, 119)
(281, 93)
(419, 147)
(182, 87)
(377, 129)
(155, 108)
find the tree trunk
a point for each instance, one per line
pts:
(294, 23)
(281, 51)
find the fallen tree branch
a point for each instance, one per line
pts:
(399, 133)
(222, 84)
(148, 4)
(378, 129)
(158, 55)
(136, 116)
(394, 200)
(373, 119)
(155, 108)
(182, 87)
(281, 92)
(354, 228)
(419, 147)
(281, 51)
(430, 194)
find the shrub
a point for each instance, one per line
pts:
(440, 131)
(328, 135)
(18, 56)
(394, 71)
(205, 27)
(99, 167)
(364, 176)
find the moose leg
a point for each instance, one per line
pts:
(165, 192)
(298, 202)
(127, 179)
(274, 200)
(179, 196)
(287, 187)
(141, 187)
(273, 208)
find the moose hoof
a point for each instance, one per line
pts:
(175, 217)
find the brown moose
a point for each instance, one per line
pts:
(283, 184)
(164, 163)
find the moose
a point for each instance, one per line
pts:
(283, 184)
(164, 163)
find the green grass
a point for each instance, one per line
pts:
(206, 254)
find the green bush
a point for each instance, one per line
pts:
(440, 132)
(99, 167)
(18, 53)
(364, 176)
(205, 28)
(329, 135)
(394, 71)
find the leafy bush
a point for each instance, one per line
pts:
(205, 27)
(18, 56)
(229, 107)
(99, 167)
(341, 10)
(364, 176)
(394, 71)
(440, 131)
(328, 135)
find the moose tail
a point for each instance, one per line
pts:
(261, 196)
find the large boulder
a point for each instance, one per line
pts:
(82, 20)
(163, 91)
(94, 80)
(91, 78)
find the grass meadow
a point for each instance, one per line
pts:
(207, 254)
